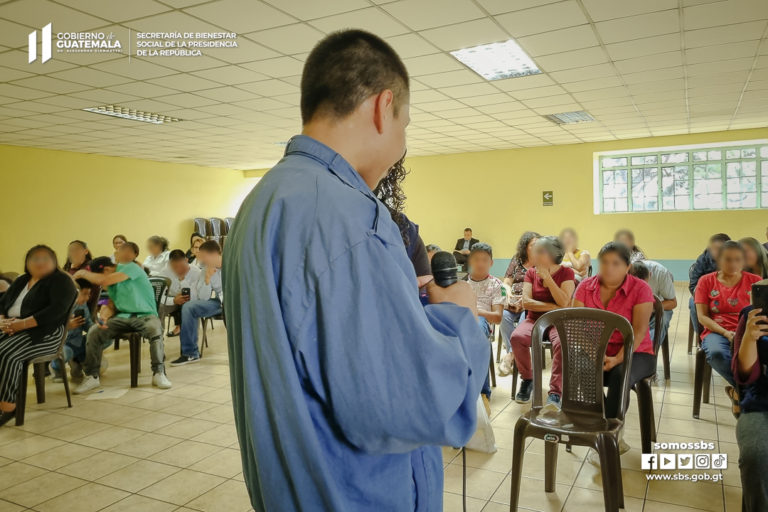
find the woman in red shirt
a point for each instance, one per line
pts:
(719, 298)
(547, 286)
(614, 290)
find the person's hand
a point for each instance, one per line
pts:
(729, 335)
(75, 322)
(459, 293)
(543, 273)
(12, 326)
(209, 271)
(465, 251)
(517, 305)
(180, 299)
(423, 280)
(753, 329)
(610, 362)
(79, 274)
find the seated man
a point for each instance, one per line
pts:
(463, 246)
(662, 284)
(431, 250)
(134, 300)
(79, 324)
(490, 296)
(706, 263)
(183, 277)
(208, 304)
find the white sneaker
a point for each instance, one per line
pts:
(161, 381)
(90, 382)
(505, 366)
(104, 365)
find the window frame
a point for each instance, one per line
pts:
(759, 160)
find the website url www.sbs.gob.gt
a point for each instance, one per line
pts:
(685, 477)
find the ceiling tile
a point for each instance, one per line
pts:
(424, 14)
(467, 34)
(637, 27)
(411, 45)
(543, 19)
(289, 39)
(523, 82)
(724, 13)
(372, 19)
(724, 34)
(241, 17)
(556, 41)
(276, 68)
(644, 46)
(451, 78)
(573, 59)
(721, 52)
(601, 10)
(500, 6)
(121, 11)
(429, 64)
(658, 61)
(304, 10)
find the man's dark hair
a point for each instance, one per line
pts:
(467, 229)
(97, 265)
(719, 237)
(731, 245)
(640, 271)
(176, 255)
(159, 240)
(617, 248)
(134, 247)
(433, 248)
(345, 69)
(83, 284)
(481, 247)
(211, 246)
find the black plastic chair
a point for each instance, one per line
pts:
(202, 226)
(204, 321)
(643, 387)
(693, 330)
(230, 221)
(702, 377)
(39, 364)
(584, 335)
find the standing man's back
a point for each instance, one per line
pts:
(344, 386)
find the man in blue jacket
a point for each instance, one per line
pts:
(344, 386)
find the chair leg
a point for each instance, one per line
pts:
(134, 345)
(645, 411)
(65, 377)
(698, 381)
(665, 355)
(498, 348)
(691, 333)
(515, 375)
(492, 369)
(607, 448)
(707, 382)
(518, 451)
(21, 397)
(550, 465)
(39, 374)
(117, 343)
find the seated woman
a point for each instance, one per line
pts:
(33, 314)
(750, 346)
(117, 241)
(614, 289)
(626, 237)
(195, 238)
(514, 278)
(755, 257)
(548, 286)
(195, 250)
(78, 256)
(578, 259)
(719, 298)
(157, 261)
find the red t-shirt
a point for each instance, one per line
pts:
(541, 292)
(634, 291)
(724, 303)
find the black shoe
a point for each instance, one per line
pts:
(524, 395)
(171, 334)
(185, 360)
(6, 417)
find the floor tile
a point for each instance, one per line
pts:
(182, 487)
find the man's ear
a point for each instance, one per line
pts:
(383, 108)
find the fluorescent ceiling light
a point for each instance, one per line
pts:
(497, 60)
(135, 115)
(570, 117)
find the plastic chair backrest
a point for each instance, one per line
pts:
(159, 286)
(230, 223)
(218, 228)
(202, 226)
(584, 334)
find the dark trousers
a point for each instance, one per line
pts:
(643, 365)
(461, 258)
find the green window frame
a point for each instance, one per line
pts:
(687, 178)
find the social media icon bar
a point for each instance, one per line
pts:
(667, 460)
(649, 461)
(701, 461)
(684, 461)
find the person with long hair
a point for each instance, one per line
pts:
(117, 241)
(578, 259)
(33, 317)
(156, 263)
(755, 257)
(514, 279)
(627, 237)
(78, 256)
(390, 192)
(194, 239)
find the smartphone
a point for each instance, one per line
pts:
(760, 296)
(79, 313)
(185, 292)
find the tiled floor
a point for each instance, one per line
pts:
(176, 450)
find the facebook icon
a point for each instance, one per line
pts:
(649, 461)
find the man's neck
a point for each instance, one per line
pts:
(479, 277)
(342, 137)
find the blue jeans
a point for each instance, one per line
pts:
(486, 328)
(509, 321)
(191, 312)
(719, 355)
(664, 325)
(74, 347)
